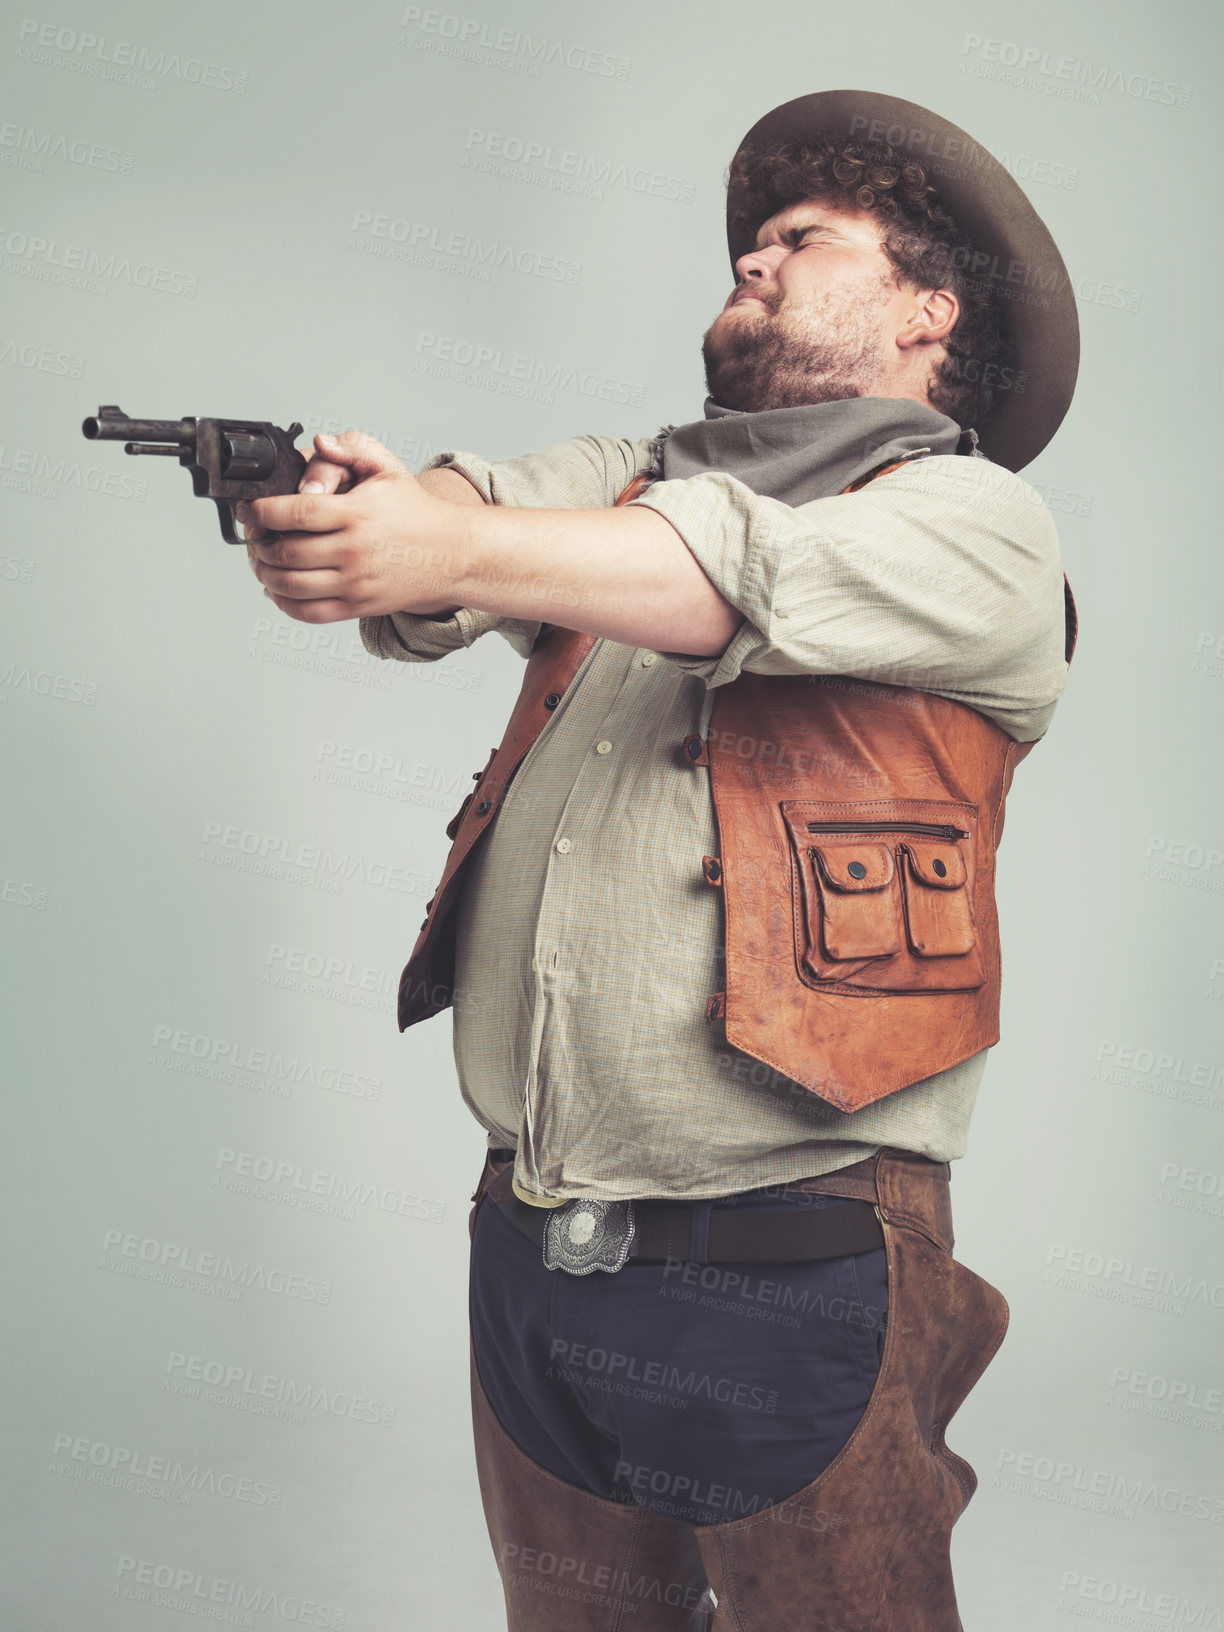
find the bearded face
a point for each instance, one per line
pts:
(784, 349)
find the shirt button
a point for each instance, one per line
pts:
(564, 846)
(535, 964)
(649, 658)
(604, 747)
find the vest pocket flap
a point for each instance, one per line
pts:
(940, 866)
(938, 915)
(849, 865)
(854, 905)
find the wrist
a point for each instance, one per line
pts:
(431, 580)
(459, 560)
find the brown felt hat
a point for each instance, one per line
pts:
(1015, 251)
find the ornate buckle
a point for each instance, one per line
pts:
(586, 1235)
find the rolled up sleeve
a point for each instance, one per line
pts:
(584, 473)
(944, 575)
(413, 637)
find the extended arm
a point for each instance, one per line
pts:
(944, 575)
(624, 574)
(391, 545)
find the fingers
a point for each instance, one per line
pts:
(324, 476)
(363, 455)
(300, 571)
(282, 584)
(337, 464)
(294, 513)
(300, 552)
(313, 611)
(296, 569)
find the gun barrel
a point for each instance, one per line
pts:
(113, 425)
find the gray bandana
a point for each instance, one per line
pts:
(800, 454)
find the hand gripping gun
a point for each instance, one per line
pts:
(229, 459)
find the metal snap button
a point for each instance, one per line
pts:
(857, 870)
(939, 868)
(553, 698)
(483, 806)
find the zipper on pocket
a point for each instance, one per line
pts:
(938, 830)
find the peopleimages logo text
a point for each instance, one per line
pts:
(99, 57)
(278, 857)
(209, 1597)
(467, 37)
(504, 151)
(79, 265)
(165, 1468)
(1077, 71)
(532, 373)
(485, 254)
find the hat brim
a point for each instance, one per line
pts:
(1017, 254)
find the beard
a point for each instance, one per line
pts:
(786, 356)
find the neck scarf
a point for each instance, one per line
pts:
(805, 453)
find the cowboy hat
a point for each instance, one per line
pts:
(1012, 247)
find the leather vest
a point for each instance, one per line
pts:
(858, 824)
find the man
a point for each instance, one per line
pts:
(718, 921)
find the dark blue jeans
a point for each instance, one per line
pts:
(702, 1392)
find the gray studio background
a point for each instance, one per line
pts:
(180, 1023)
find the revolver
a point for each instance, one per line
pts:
(229, 459)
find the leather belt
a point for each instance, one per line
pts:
(666, 1230)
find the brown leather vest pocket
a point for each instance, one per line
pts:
(883, 894)
(852, 887)
(938, 919)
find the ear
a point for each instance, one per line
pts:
(931, 318)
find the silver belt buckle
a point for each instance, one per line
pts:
(586, 1235)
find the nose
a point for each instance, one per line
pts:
(759, 263)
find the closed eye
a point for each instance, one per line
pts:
(793, 237)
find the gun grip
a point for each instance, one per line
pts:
(225, 514)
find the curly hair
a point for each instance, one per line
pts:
(923, 240)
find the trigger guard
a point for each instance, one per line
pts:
(225, 515)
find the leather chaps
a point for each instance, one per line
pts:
(863, 1548)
